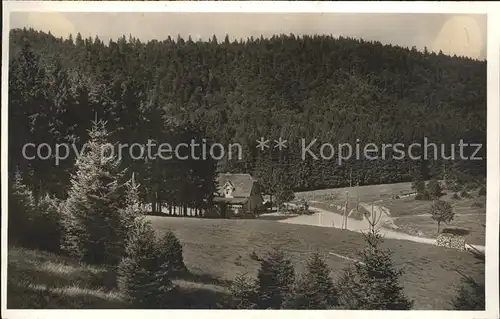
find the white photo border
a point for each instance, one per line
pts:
(493, 141)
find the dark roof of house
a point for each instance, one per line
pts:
(238, 200)
(243, 183)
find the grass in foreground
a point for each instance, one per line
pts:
(216, 251)
(42, 280)
(222, 249)
(39, 279)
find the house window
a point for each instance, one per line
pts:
(235, 208)
(228, 190)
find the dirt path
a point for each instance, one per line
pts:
(325, 218)
(429, 215)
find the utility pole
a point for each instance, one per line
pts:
(444, 174)
(357, 195)
(373, 214)
(350, 179)
(345, 210)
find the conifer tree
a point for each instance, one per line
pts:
(132, 209)
(21, 210)
(144, 275)
(244, 293)
(137, 279)
(314, 289)
(471, 294)
(170, 252)
(61, 126)
(28, 109)
(373, 282)
(92, 212)
(275, 280)
(169, 262)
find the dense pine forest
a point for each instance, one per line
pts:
(336, 90)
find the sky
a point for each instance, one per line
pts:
(463, 35)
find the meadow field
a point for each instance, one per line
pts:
(216, 251)
(401, 212)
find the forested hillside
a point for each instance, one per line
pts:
(335, 90)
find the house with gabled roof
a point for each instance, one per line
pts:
(238, 195)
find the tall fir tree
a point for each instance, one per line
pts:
(137, 270)
(275, 280)
(314, 289)
(133, 208)
(373, 283)
(91, 214)
(28, 109)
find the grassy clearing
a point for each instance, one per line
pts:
(334, 199)
(472, 225)
(216, 251)
(367, 194)
(221, 249)
(410, 215)
(44, 280)
(410, 207)
(41, 280)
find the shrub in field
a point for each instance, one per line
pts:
(434, 189)
(275, 280)
(455, 196)
(465, 181)
(441, 211)
(143, 278)
(372, 283)
(32, 224)
(170, 251)
(418, 186)
(283, 195)
(244, 293)
(314, 289)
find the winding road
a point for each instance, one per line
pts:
(325, 218)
